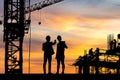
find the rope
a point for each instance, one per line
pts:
(29, 50)
(29, 42)
(40, 17)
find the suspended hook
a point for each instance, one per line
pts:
(39, 23)
(40, 17)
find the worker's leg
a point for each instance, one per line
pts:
(63, 65)
(49, 64)
(44, 64)
(58, 65)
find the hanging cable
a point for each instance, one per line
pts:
(29, 49)
(40, 17)
(29, 41)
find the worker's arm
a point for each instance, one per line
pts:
(43, 47)
(65, 44)
(53, 43)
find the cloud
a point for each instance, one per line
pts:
(93, 8)
(78, 29)
(76, 23)
(35, 45)
(62, 18)
(92, 2)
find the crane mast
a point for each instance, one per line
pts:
(15, 27)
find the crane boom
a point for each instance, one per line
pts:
(41, 5)
(15, 27)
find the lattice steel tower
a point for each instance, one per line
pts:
(15, 27)
(14, 31)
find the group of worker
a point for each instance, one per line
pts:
(114, 46)
(47, 47)
(91, 52)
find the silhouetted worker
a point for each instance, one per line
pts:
(91, 52)
(97, 60)
(97, 53)
(118, 48)
(111, 45)
(114, 44)
(60, 54)
(48, 52)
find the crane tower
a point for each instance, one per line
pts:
(15, 27)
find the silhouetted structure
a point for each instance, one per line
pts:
(17, 21)
(101, 62)
(60, 53)
(48, 52)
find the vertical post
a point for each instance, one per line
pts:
(80, 69)
(22, 26)
(97, 61)
(86, 65)
(5, 32)
(118, 67)
(13, 35)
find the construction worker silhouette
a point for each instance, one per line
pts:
(60, 54)
(48, 52)
(114, 44)
(111, 45)
(97, 52)
(91, 51)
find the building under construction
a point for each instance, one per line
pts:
(101, 61)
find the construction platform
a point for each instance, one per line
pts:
(99, 63)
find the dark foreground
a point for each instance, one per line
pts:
(59, 77)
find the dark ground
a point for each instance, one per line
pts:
(59, 77)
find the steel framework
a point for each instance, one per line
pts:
(15, 27)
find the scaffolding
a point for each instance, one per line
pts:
(107, 62)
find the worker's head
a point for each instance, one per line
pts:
(91, 48)
(48, 38)
(59, 38)
(97, 49)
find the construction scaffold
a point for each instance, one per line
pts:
(101, 61)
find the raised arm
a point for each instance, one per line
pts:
(53, 43)
(65, 46)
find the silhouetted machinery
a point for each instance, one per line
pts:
(16, 25)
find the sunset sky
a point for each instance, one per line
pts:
(81, 23)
